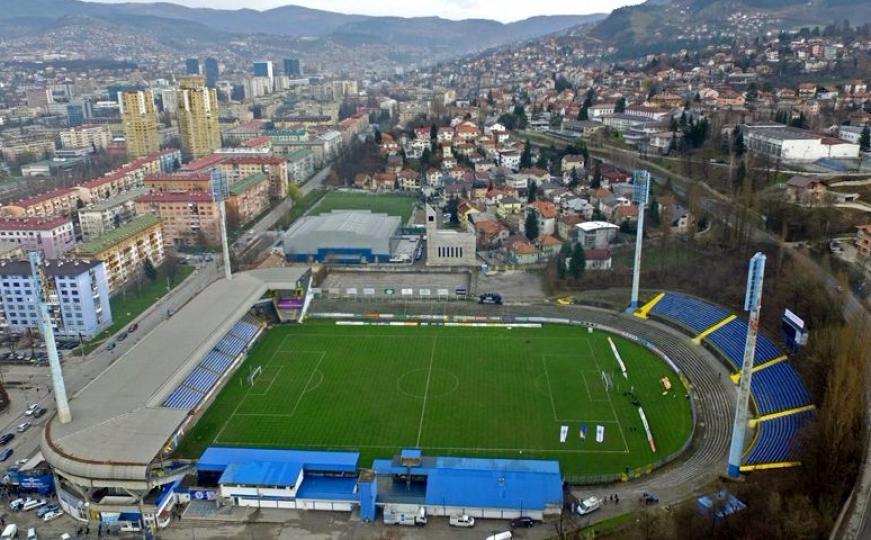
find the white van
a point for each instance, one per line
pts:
(588, 506)
(504, 535)
(31, 534)
(462, 520)
(16, 505)
(10, 532)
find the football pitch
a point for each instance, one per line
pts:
(483, 392)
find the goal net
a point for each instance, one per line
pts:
(253, 374)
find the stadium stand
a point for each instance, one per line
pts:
(688, 312)
(778, 388)
(782, 402)
(775, 440)
(214, 364)
(730, 340)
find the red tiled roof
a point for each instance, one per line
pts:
(176, 196)
(256, 141)
(546, 209)
(33, 224)
(204, 162)
(42, 197)
(255, 160)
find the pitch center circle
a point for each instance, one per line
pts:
(414, 383)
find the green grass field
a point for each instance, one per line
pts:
(453, 391)
(394, 205)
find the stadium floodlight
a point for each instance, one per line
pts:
(47, 332)
(753, 304)
(220, 190)
(640, 195)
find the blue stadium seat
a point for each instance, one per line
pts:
(201, 379)
(216, 361)
(730, 339)
(775, 441)
(183, 398)
(777, 388)
(688, 311)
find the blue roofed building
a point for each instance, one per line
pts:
(489, 488)
(267, 478)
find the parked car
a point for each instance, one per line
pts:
(588, 506)
(490, 298)
(504, 535)
(54, 514)
(462, 520)
(31, 534)
(40, 412)
(5, 438)
(133, 328)
(46, 509)
(15, 505)
(24, 426)
(649, 498)
(122, 336)
(111, 346)
(5, 454)
(33, 504)
(9, 532)
(522, 521)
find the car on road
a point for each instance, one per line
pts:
(522, 521)
(122, 336)
(111, 346)
(588, 506)
(32, 408)
(5, 438)
(133, 328)
(5, 454)
(648, 498)
(22, 427)
(40, 412)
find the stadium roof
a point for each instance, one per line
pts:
(218, 458)
(342, 229)
(262, 473)
(485, 483)
(118, 424)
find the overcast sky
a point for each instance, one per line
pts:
(502, 10)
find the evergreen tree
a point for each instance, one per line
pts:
(433, 132)
(542, 162)
(526, 156)
(531, 225)
(531, 191)
(453, 210)
(739, 142)
(865, 140)
(654, 212)
(150, 270)
(596, 182)
(584, 114)
(620, 106)
(578, 263)
(377, 136)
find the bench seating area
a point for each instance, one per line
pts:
(775, 388)
(775, 439)
(730, 340)
(778, 388)
(688, 312)
(214, 364)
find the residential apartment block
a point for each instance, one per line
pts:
(107, 215)
(88, 136)
(188, 218)
(76, 292)
(52, 236)
(198, 118)
(125, 249)
(248, 198)
(139, 117)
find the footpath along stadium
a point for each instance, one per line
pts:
(220, 403)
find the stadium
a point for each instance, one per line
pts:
(257, 394)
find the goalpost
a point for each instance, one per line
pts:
(253, 374)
